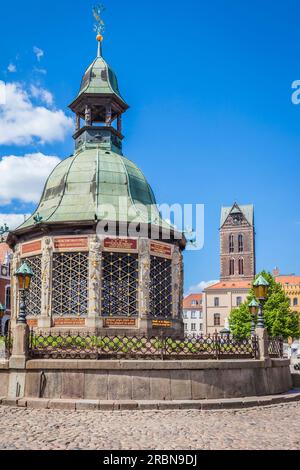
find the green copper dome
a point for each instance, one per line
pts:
(95, 184)
(99, 78)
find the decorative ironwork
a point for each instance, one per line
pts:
(120, 285)
(33, 300)
(160, 287)
(70, 275)
(276, 347)
(86, 346)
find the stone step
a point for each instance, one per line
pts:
(99, 405)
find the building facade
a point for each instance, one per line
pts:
(237, 263)
(193, 319)
(103, 259)
(291, 286)
(5, 291)
(220, 299)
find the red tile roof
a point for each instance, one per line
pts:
(231, 285)
(4, 248)
(288, 279)
(187, 302)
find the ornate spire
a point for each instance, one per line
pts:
(99, 26)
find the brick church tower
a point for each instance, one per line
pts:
(237, 237)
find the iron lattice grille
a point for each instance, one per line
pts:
(34, 295)
(160, 287)
(70, 284)
(119, 285)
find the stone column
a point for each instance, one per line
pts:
(44, 321)
(144, 283)
(88, 116)
(263, 343)
(94, 319)
(108, 115)
(77, 126)
(177, 290)
(119, 124)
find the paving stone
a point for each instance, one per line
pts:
(274, 427)
(38, 403)
(128, 405)
(62, 404)
(148, 405)
(108, 405)
(82, 405)
(10, 402)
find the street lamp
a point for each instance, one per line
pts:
(253, 309)
(23, 275)
(261, 287)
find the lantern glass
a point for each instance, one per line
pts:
(27, 280)
(21, 281)
(253, 310)
(261, 292)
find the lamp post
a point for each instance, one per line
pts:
(253, 308)
(261, 287)
(23, 275)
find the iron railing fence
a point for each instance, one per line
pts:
(276, 348)
(86, 346)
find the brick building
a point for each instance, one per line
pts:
(193, 315)
(238, 266)
(5, 297)
(237, 240)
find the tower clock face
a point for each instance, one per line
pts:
(237, 219)
(4, 271)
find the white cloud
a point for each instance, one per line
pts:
(38, 70)
(38, 52)
(12, 68)
(201, 286)
(40, 93)
(23, 178)
(21, 122)
(12, 220)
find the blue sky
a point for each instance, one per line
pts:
(211, 118)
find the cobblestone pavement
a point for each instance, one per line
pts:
(274, 427)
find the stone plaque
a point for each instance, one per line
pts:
(69, 322)
(71, 243)
(120, 244)
(119, 322)
(161, 324)
(32, 247)
(161, 249)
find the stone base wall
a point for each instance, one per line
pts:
(151, 380)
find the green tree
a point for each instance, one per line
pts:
(279, 319)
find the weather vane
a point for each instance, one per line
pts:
(99, 26)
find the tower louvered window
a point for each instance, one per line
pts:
(160, 287)
(34, 295)
(70, 284)
(120, 285)
(231, 244)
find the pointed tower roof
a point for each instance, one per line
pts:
(246, 210)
